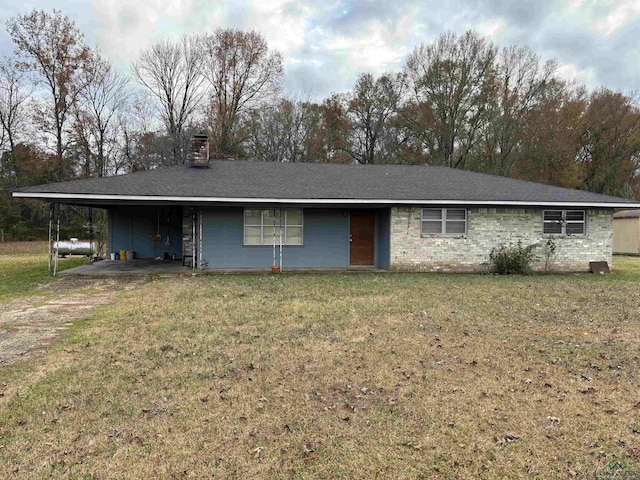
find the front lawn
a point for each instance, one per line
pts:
(23, 267)
(336, 376)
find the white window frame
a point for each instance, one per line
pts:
(443, 221)
(563, 222)
(284, 225)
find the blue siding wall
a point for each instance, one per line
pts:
(326, 241)
(120, 233)
(383, 239)
(326, 238)
(135, 228)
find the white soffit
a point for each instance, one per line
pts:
(311, 201)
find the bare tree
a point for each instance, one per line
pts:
(243, 73)
(140, 141)
(610, 143)
(53, 46)
(280, 133)
(14, 92)
(371, 107)
(329, 131)
(451, 79)
(96, 111)
(549, 142)
(520, 83)
(172, 74)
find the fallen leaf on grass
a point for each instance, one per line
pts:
(587, 390)
(411, 444)
(508, 437)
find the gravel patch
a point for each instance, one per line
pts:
(28, 326)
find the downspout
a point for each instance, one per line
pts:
(281, 238)
(200, 239)
(193, 241)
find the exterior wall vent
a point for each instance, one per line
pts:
(198, 156)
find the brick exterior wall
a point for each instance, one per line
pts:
(488, 228)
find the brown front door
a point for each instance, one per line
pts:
(362, 235)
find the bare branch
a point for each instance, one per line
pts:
(243, 73)
(172, 74)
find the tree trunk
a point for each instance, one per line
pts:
(59, 142)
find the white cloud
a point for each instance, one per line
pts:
(568, 71)
(407, 27)
(327, 43)
(126, 28)
(369, 51)
(621, 13)
(282, 23)
(494, 28)
(573, 73)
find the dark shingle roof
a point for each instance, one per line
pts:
(229, 179)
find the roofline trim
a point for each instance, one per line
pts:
(312, 201)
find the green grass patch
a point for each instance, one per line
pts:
(626, 265)
(24, 269)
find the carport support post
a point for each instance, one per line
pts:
(90, 235)
(50, 236)
(57, 244)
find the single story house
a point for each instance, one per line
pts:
(626, 232)
(244, 214)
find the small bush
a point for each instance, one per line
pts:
(511, 259)
(549, 251)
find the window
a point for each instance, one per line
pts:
(449, 221)
(263, 226)
(563, 222)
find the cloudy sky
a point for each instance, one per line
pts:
(327, 43)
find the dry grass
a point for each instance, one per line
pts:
(24, 248)
(337, 376)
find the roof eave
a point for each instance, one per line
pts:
(113, 199)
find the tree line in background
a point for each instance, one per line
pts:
(459, 101)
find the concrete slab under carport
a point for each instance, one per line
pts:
(175, 267)
(141, 266)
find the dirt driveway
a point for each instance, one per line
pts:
(29, 325)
